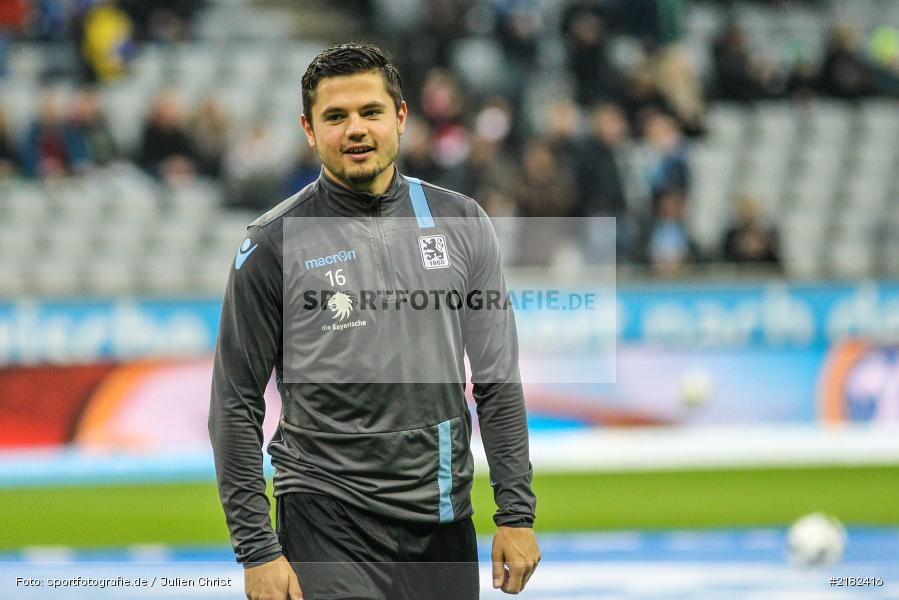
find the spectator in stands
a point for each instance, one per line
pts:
(444, 103)
(539, 192)
(667, 165)
(739, 76)
(210, 131)
(52, 148)
(679, 86)
(306, 169)
(415, 152)
(563, 123)
(166, 150)
(91, 129)
(595, 76)
(654, 22)
(600, 181)
(163, 20)
(487, 166)
(495, 121)
(670, 248)
(13, 15)
(749, 239)
(429, 41)
(885, 51)
(451, 146)
(802, 81)
(518, 24)
(9, 158)
(487, 169)
(518, 29)
(641, 97)
(106, 41)
(442, 99)
(610, 126)
(256, 166)
(846, 72)
(50, 19)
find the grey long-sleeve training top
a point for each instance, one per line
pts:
(365, 307)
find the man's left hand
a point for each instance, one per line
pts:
(515, 556)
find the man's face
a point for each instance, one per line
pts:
(355, 130)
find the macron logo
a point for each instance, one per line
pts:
(244, 253)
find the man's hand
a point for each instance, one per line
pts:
(515, 556)
(274, 580)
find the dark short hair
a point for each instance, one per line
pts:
(349, 59)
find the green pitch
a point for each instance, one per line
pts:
(189, 513)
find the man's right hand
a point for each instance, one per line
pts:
(274, 580)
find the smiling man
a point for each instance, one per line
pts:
(373, 467)
(356, 144)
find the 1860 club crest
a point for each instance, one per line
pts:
(434, 254)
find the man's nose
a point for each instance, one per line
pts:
(356, 127)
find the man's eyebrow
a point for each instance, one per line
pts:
(337, 110)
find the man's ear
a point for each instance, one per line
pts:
(401, 115)
(307, 129)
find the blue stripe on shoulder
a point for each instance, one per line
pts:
(420, 203)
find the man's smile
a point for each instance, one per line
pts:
(359, 152)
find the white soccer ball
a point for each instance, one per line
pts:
(816, 540)
(695, 388)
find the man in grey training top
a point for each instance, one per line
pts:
(364, 292)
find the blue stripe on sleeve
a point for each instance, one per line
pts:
(445, 471)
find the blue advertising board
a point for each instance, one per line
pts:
(772, 316)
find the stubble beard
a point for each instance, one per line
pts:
(364, 176)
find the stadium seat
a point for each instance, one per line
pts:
(889, 254)
(17, 243)
(26, 63)
(775, 121)
(80, 200)
(198, 63)
(26, 205)
(850, 257)
(209, 274)
(249, 64)
(56, 277)
(193, 201)
(241, 101)
(111, 276)
(704, 19)
(124, 239)
(727, 122)
(479, 63)
(19, 103)
(126, 104)
(163, 277)
(148, 67)
(878, 118)
(866, 195)
(68, 242)
(13, 282)
(293, 59)
(173, 237)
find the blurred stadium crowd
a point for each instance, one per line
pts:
(744, 132)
